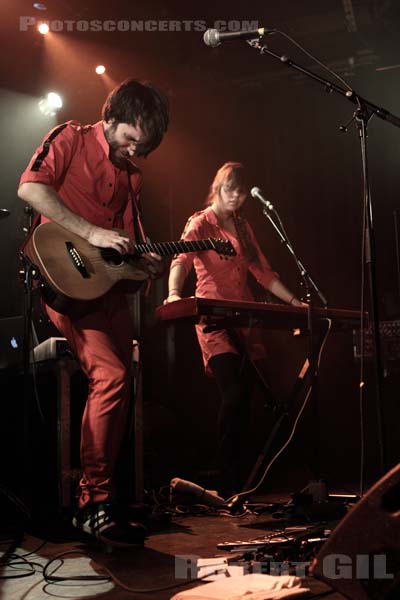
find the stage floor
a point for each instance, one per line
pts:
(168, 558)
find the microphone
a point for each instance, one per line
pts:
(213, 37)
(255, 192)
(203, 496)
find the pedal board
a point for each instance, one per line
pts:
(290, 539)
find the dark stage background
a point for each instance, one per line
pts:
(230, 103)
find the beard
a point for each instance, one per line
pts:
(117, 156)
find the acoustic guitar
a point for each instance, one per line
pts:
(70, 269)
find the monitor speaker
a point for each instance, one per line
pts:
(361, 559)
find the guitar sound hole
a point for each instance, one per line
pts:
(112, 256)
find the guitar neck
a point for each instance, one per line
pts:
(170, 248)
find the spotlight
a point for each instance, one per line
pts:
(43, 28)
(100, 69)
(50, 104)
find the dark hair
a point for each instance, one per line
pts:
(139, 103)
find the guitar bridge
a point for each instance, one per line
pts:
(77, 259)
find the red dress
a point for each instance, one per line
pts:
(224, 277)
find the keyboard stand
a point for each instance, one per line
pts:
(285, 409)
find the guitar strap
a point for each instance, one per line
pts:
(140, 237)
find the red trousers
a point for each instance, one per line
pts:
(102, 343)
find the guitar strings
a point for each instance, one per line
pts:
(108, 253)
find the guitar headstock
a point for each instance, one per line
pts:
(223, 247)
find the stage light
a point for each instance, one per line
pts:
(43, 28)
(50, 104)
(100, 69)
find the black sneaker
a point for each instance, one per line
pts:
(104, 522)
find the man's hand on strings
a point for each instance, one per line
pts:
(110, 238)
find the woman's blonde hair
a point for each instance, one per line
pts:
(232, 176)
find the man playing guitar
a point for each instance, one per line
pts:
(83, 178)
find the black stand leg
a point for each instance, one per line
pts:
(264, 453)
(302, 379)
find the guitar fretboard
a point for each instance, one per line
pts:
(168, 248)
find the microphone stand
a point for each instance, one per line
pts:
(364, 112)
(309, 285)
(307, 279)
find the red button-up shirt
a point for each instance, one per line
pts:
(224, 278)
(78, 167)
